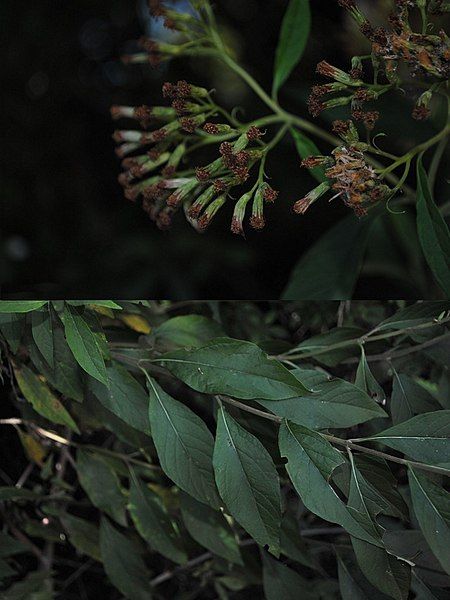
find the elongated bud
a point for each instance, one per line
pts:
(350, 5)
(301, 206)
(190, 124)
(183, 89)
(210, 171)
(257, 220)
(346, 130)
(216, 128)
(324, 68)
(183, 193)
(174, 160)
(203, 200)
(239, 214)
(211, 211)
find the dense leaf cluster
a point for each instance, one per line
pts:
(219, 450)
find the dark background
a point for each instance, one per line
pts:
(66, 229)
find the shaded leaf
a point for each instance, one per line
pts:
(210, 529)
(317, 345)
(123, 563)
(37, 392)
(409, 398)
(20, 306)
(101, 484)
(413, 315)
(282, 583)
(431, 504)
(153, 523)
(42, 331)
(367, 382)
(247, 481)
(330, 268)
(293, 37)
(83, 535)
(237, 368)
(184, 445)
(188, 330)
(305, 148)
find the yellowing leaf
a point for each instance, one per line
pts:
(33, 449)
(136, 323)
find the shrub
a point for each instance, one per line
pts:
(225, 449)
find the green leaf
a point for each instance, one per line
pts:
(433, 231)
(16, 493)
(184, 445)
(316, 345)
(42, 331)
(336, 403)
(153, 523)
(414, 315)
(16, 306)
(425, 437)
(330, 268)
(293, 37)
(384, 571)
(311, 462)
(83, 535)
(124, 397)
(248, 481)
(9, 546)
(282, 583)
(409, 398)
(104, 303)
(352, 583)
(123, 563)
(293, 545)
(210, 529)
(187, 330)
(431, 504)
(101, 484)
(233, 367)
(37, 392)
(305, 148)
(37, 585)
(367, 382)
(84, 344)
(11, 328)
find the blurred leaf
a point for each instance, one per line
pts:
(123, 563)
(101, 484)
(43, 400)
(33, 448)
(153, 523)
(247, 481)
(42, 331)
(210, 529)
(293, 37)
(9, 546)
(83, 535)
(136, 323)
(330, 268)
(316, 346)
(84, 344)
(282, 583)
(11, 327)
(237, 368)
(16, 306)
(431, 505)
(433, 231)
(188, 330)
(416, 314)
(17, 493)
(184, 445)
(37, 585)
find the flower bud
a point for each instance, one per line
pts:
(239, 214)
(301, 206)
(211, 211)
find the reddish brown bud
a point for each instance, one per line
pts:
(254, 133)
(257, 222)
(144, 115)
(220, 186)
(421, 113)
(211, 128)
(183, 89)
(168, 90)
(169, 171)
(269, 194)
(202, 173)
(187, 124)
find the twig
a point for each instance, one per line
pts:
(198, 560)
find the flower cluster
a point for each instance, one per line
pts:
(425, 55)
(156, 160)
(348, 173)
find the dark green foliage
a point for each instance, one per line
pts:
(234, 456)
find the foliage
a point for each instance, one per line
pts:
(225, 449)
(168, 177)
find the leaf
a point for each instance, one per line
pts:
(247, 481)
(37, 585)
(83, 535)
(311, 462)
(233, 367)
(153, 523)
(20, 306)
(293, 545)
(317, 345)
(414, 315)
(433, 231)
(184, 445)
(305, 148)
(9, 546)
(11, 328)
(103, 303)
(409, 398)
(330, 268)
(42, 399)
(282, 583)
(123, 396)
(188, 330)
(84, 344)
(293, 37)
(123, 563)
(425, 437)
(136, 323)
(352, 583)
(210, 529)
(102, 485)
(34, 450)
(42, 331)
(384, 571)
(367, 382)
(336, 403)
(431, 505)
(16, 493)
